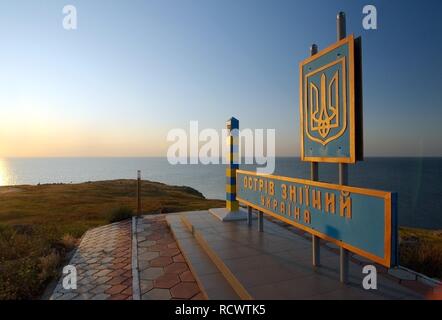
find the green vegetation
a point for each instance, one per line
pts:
(40, 224)
(421, 250)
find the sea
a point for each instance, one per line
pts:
(418, 181)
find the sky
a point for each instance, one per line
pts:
(133, 70)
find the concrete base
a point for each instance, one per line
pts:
(275, 264)
(225, 215)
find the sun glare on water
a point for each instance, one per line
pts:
(4, 175)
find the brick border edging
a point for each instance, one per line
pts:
(136, 295)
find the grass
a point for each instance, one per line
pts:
(40, 224)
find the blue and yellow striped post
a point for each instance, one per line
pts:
(232, 164)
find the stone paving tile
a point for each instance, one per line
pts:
(145, 285)
(100, 289)
(147, 255)
(187, 276)
(178, 258)
(103, 262)
(185, 290)
(176, 267)
(170, 252)
(199, 296)
(163, 272)
(166, 281)
(157, 294)
(161, 262)
(101, 296)
(151, 273)
(116, 289)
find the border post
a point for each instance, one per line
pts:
(138, 192)
(232, 164)
(231, 212)
(314, 176)
(341, 33)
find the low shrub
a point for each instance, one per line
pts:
(68, 242)
(48, 266)
(28, 260)
(423, 257)
(119, 214)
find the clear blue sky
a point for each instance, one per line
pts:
(135, 69)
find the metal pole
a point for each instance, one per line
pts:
(314, 176)
(343, 167)
(344, 264)
(343, 174)
(340, 26)
(139, 192)
(343, 253)
(249, 216)
(314, 171)
(260, 221)
(313, 49)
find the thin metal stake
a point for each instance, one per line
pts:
(139, 192)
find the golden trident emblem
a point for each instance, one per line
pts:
(324, 110)
(326, 104)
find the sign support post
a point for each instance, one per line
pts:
(260, 221)
(343, 167)
(314, 176)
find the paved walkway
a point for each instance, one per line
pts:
(103, 263)
(163, 272)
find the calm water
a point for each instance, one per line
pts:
(417, 180)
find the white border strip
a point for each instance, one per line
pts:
(135, 276)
